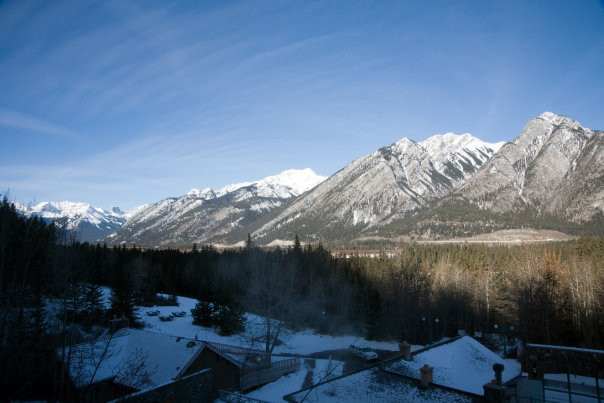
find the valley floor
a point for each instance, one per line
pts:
(508, 236)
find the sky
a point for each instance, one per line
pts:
(120, 103)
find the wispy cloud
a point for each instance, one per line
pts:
(151, 168)
(18, 120)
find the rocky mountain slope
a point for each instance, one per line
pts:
(87, 222)
(219, 216)
(550, 176)
(380, 187)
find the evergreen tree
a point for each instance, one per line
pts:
(93, 302)
(205, 313)
(123, 298)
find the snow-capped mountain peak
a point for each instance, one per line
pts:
(291, 182)
(450, 143)
(557, 120)
(205, 193)
(205, 214)
(90, 222)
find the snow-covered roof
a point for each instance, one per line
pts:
(374, 385)
(135, 358)
(463, 364)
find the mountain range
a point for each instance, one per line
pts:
(550, 176)
(87, 222)
(380, 187)
(214, 216)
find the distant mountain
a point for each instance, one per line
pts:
(380, 187)
(550, 176)
(207, 215)
(88, 223)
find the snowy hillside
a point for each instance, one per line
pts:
(224, 215)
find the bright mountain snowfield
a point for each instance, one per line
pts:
(221, 216)
(88, 223)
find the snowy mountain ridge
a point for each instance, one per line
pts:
(91, 223)
(445, 185)
(204, 214)
(291, 182)
(441, 146)
(381, 186)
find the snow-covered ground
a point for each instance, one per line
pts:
(304, 342)
(462, 364)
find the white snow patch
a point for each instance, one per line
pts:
(292, 182)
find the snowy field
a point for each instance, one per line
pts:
(300, 343)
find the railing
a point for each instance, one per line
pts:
(226, 348)
(266, 375)
(236, 397)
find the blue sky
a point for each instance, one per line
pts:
(124, 103)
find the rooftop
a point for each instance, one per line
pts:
(462, 363)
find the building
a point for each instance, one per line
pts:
(134, 361)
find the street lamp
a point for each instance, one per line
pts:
(496, 327)
(436, 321)
(506, 338)
(424, 325)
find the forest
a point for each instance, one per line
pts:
(541, 293)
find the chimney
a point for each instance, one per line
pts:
(494, 391)
(405, 349)
(425, 376)
(498, 368)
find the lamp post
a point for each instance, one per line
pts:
(506, 338)
(424, 325)
(436, 321)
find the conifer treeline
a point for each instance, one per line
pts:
(550, 293)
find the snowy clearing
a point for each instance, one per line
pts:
(300, 343)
